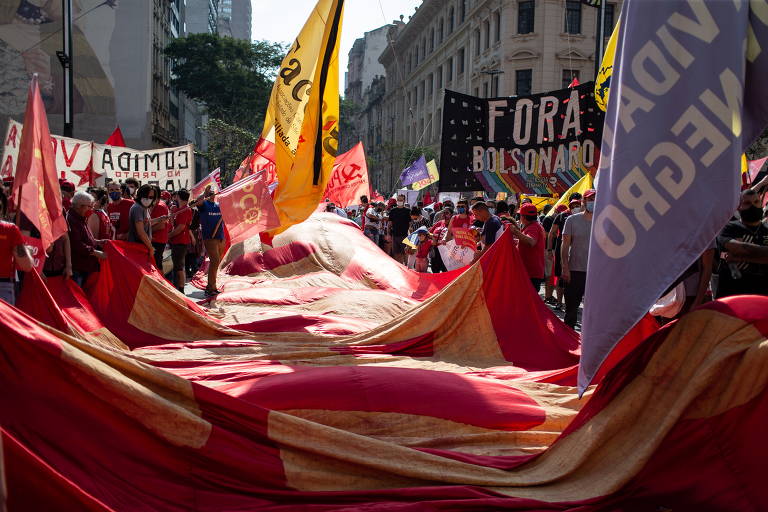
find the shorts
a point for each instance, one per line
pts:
(178, 256)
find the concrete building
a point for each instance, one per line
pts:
(235, 19)
(480, 47)
(202, 16)
(121, 75)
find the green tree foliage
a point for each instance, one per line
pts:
(228, 145)
(412, 153)
(232, 77)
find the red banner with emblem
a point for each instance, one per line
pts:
(247, 208)
(349, 179)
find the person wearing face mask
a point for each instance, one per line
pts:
(744, 250)
(119, 209)
(85, 253)
(99, 223)
(372, 222)
(132, 186)
(140, 230)
(554, 244)
(460, 220)
(399, 222)
(573, 257)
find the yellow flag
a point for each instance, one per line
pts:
(744, 164)
(434, 177)
(603, 80)
(585, 183)
(303, 115)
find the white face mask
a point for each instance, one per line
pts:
(400, 204)
(146, 202)
(492, 211)
(131, 190)
(576, 210)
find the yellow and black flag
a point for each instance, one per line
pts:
(603, 80)
(303, 115)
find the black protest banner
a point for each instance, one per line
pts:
(538, 145)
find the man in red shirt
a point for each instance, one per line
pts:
(532, 243)
(11, 248)
(180, 238)
(119, 208)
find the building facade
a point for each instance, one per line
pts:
(484, 48)
(235, 19)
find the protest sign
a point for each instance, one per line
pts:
(465, 237)
(540, 144)
(169, 168)
(455, 256)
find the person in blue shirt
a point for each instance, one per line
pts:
(212, 226)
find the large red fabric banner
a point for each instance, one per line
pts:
(349, 179)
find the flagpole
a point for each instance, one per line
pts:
(599, 37)
(65, 58)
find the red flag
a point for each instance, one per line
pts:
(213, 179)
(574, 83)
(247, 208)
(349, 178)
(377, 197)
(36, 182)
(428, 198)
(116, 139)
(261, 159)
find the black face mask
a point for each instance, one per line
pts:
(751, 214)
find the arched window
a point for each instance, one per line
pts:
(462, 11)
(486, 35)
(450, 20)
(496, 27)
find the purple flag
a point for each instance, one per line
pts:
(416, 172)
(687, 97)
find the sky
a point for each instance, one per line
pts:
(282, 20)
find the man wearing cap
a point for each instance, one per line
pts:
(532, 241)
(573, 254)
(67, 191)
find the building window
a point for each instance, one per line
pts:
(430, 79)
(449, 70)
(422, 89)
(485, 89)
(462, 10)
(439, 76)
(415, 96)
(431, 40)
(460, 62)
(610, 9)
(523, 82)
(423, 48)
(476, 38)
(487, 34)
(495, 86)
(440, 31)
(525, 16)
(450, 20)
(496, 27)
(568, 76)
(477, 92)
(572, 17)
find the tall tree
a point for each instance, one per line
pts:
(232, 77)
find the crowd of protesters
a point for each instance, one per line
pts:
(176, 233)
(553, 244)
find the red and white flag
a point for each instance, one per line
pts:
(213, 179)
(247, 208)
(349, 179)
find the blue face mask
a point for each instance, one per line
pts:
(114, 196)
(461, 210)
(590, 206)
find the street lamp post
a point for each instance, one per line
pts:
(66, 59)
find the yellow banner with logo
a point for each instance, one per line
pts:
(434, 177)
(603, 80)
(303, 115)
(585, 183)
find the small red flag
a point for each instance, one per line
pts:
(36, 181)
(349, 179)
(574, 83)
(116, 139)
(247, 208)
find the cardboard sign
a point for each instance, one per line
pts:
(465, 237)
(455, 256)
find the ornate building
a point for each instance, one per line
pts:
(481, 47)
